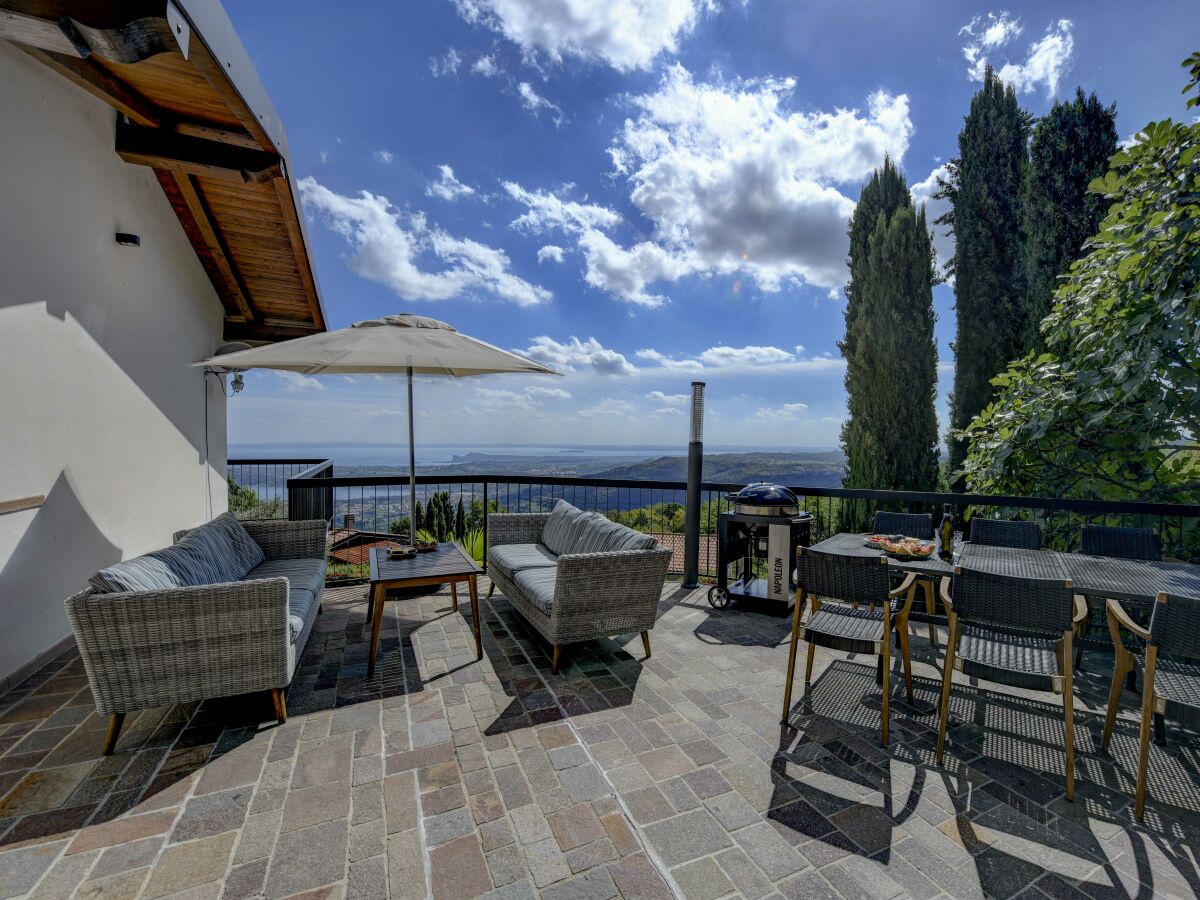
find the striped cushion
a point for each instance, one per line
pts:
(537, 586)
(563, 527)
(157, 571)
(604, 536)
(221, 550)
(306, 582)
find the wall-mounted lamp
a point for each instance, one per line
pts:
(237, 382)
(125, 239)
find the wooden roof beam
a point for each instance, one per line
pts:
(174, 152)
(216, 244)
(102, 84)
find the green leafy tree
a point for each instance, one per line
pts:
(476, 513)
(1111, 409)
(399, 526)
(983, 186)
(890, 438)
(1070, 147)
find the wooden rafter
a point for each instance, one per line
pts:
(100, 83)
(216, 244)
(162, 149)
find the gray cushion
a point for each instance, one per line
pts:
(157, 571)
(604, 536)
(563, 527)
(222, 549)
(306, 580)
(537, 586)
(513, 558)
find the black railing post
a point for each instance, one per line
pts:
(695, 474)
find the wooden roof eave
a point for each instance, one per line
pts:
(198, 115)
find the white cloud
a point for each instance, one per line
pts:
(445, 65)
(323, 156)
(669, 363)
(625, 34)
(922, 192)
(550, 251)
(448, 187)
(667, 411)
(486, 66)
(392, 247)
(503, 401)
(295, 381)
(673, 399)
(724, 357)
(787, 411)
(732, 182)
(535, 102)
(741, 359)
(548, 392)
(1046, 60)
(574, 354)
(608, 407)
(385, 156)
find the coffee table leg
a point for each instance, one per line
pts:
(475, 616)
(377, 599)
(454, 594)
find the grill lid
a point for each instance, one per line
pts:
(764, 498)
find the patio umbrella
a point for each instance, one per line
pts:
(405, 343)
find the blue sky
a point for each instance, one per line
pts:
(638, 192)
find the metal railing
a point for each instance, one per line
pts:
(657, 507)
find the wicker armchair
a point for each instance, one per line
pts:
(143, 649)
(1168, 657)
(1005, 533)
(917, 525)
(576, 596)
(858, 628)
(1014, 631)
(1122, 543)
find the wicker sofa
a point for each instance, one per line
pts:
(152, 647)
(576, 576)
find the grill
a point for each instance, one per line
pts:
(756, 548)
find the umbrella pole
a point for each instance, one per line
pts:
(412, 466)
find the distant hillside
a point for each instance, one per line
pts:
(809, 468)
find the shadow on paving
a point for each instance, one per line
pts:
(1007, 815)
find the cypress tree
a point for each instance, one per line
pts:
(890, 438)
(984, 190)
(1070, 146)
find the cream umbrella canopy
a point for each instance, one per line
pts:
(402, 344)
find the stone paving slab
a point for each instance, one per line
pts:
(618, 777)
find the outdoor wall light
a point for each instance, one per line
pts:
(238, 383)
(125, 239)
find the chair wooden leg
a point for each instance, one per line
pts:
(947, 673)
(930, 608)
(114, 730)
(646, 643)
(1139, 804)
(906, 659)
(797, 612)
(1121, 670)
(491, 590)
(1069, 714)
(554, 660)
(280, 705)
(885, 658)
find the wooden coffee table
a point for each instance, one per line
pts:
(448, 563)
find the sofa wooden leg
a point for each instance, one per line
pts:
(555, 659)
(491, 590)
(280, 705)
(646, 642)
(114, 730)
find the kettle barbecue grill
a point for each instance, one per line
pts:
(756, 548)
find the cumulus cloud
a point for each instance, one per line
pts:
(922, 192)
(732, 181)
(393, 247)
(548, 392)
(1045, 60)
(741, 359)
(673, 399)
(295, 381)
(448, 187)
(550, 251)
(667, 411)
(624, 34)
(573, 354)
(486, 66)
(535, 102)
(608, 407)
(447, 64)
(788, 411)
(385, 156)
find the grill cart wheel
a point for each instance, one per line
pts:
(718, 597)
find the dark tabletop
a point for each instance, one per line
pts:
(852, 545)
(447, 560)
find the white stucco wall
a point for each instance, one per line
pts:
(98, 407)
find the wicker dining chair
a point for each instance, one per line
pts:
(1122, 543)
(852, 629)
(917, 525)
(1006, 533)
(1014, 631)
(1169, 658)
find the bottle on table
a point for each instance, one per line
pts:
(946, 532)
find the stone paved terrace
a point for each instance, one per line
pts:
(618, 777)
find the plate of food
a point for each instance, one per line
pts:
(399, 551)
(907, 548)
(426, 546)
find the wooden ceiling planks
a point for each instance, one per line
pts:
(209, 151)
